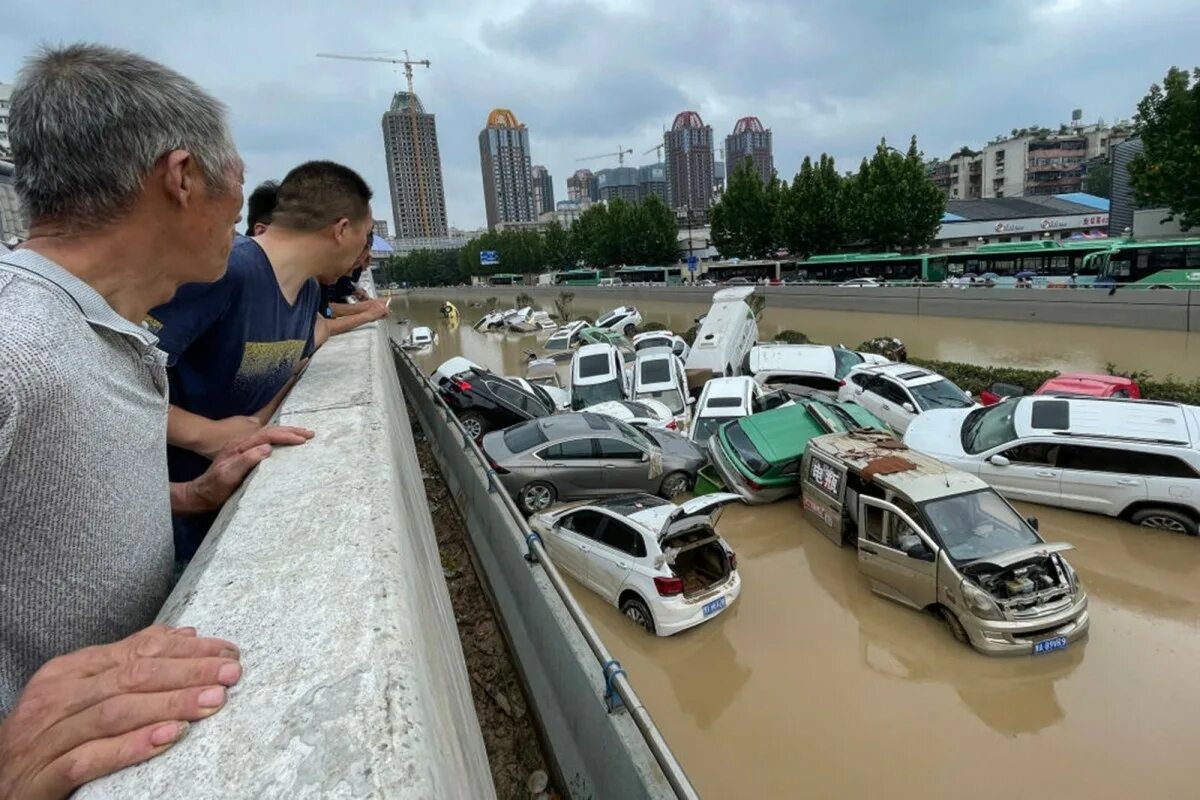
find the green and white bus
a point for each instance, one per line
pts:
(895, 268)
(1166, 263)
(578, 277)
(651, 275)
(505, 279)
(1044, 262)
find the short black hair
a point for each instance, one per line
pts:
(261, 205)
(319, 193)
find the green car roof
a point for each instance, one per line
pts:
(782, 434)
(594, 335)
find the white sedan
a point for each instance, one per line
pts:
(662, 565)
(897, 393)
(641, 413)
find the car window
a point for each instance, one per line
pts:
(590, 394)
(656, 370)
(940, 394)
(705, 427)
(989, 427)
(790, 468)
(860, 379)
(572, 449)
(523, 436)
(1157, 465)
(619, 449)
(873, 525)
(586, 523)
(723, 402)
(679, 347)
(620, 536)
(745, 449)
(888, 389)
(1091, 459)
(607, 318)
(506, 394)
(594, 365)
(845, 360)
(900, 535)
(671, 398)
(1037, 453)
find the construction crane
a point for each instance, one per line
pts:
(658, 148)
(409, 63)
(620, 154)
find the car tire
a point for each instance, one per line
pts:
(638, 613)
(536, 497)
(673, 484)
(474, 423)
(1166, 519)
(956, 628)
(630, 330)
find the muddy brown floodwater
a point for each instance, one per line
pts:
(812, 686)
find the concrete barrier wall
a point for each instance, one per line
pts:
(1162, 310)
(324, 570)
(597, 754)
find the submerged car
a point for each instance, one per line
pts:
(759, 456)
(663, 565)
(817, 366)
(658, 375)
(598, 375)
(897, 393)
(582, 455)
(638, 413)
(938, 539)
(1138, 460)
(1084, 384)
(483, 401)
(623, 319)
(419, 337)
(662, 339)
(564, 340)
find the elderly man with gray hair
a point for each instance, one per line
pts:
(133, 186)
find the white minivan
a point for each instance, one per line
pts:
(598, 375)
(726, 335)
(658, 375)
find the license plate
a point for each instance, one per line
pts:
(714, 606)
(1046, 645)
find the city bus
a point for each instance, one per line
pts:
(578, 277)
(1158, 264)
(1041, 262)
(643, 275)
(505, 279)
(886, 267)
(752, 271)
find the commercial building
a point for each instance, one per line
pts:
(652, 180)
(414, 169)
(969, 223)
(507, 170)
(13, 222)
(582, 186)
(380, 227)
(1128, 217)
(688, 155)
(565, 213)
(543, 190)
(718, 178)
(622, 182)
(5, 99)
(750, 140)
(961, 176)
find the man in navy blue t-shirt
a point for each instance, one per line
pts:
(235, 345)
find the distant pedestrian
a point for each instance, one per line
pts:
(1073, 281)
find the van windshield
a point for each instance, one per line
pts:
(978, 525)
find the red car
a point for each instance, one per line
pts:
(1077, 383)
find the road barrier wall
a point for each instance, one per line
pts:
(324, 569)
(597, 753)
(1177, 310)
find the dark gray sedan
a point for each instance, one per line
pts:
(577, 456)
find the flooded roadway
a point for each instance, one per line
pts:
(811, 686)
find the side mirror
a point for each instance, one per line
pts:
(998, 460)
(1033, 523)
(909, 408)
(918, 550)
(645, 457)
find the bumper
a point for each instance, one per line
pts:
(675, 614)
(736, 483)
(1018, 638)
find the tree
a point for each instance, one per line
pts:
(1098, 179)
(557, 247)
(562, 305)
(1167, 171)
(924, 204)
(660, 233)
(894, 201)
(811, 212)
(743, 221)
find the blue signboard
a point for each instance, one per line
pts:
(488, 257)
(692, 262)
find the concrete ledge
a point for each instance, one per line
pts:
(324, 570)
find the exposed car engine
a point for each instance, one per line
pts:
(1027, 586)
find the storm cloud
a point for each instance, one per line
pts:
(589, 76)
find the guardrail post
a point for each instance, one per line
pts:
(612, 700)
(531, 556)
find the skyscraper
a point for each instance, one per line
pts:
(750, 140)
(543, 190)
(619, 182)
(583, 186)
(414, 169)
(652, 180)
(507, 169)
(688, 151)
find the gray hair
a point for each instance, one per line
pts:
(89, 123)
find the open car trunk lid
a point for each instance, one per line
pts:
(684, 516)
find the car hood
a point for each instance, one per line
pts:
(938, 432)
(672, 444)
(1007, 559)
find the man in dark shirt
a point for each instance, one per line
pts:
(234, 346)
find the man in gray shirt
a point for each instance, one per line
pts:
(133, 187)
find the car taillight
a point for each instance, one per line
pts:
(671, 425)
(732, 560)
(669, 587)
(752, 486)
(463, 386)
(841, 383)
(492, 463)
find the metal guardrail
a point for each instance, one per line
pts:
(615, 678)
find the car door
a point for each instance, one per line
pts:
(510, 404)
(885, 399)
(620, 545)
(574, 469)
(578, 535)
(1096, 479)
(625, 465)
(884, 533)
(1030, 473)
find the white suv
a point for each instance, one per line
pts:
(622, 319)
(897, 393)
(1134, 459)
(598, 374)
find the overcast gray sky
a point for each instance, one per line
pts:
(824, 75)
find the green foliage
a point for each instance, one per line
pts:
(886, 346)
(1098, 180)
(491, 303)
(620, 232)
(559, 250)
(758, 304)
(652, 326)
(976, 378)
(562, 305)
(892, 200)
(791, 337)
(812, 215)
(1167, 171)
(523, 299)
(426, 268)
(744, 219)
(689, 335)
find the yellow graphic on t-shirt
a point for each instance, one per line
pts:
(267, 361)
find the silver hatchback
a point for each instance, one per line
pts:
(584, 455)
